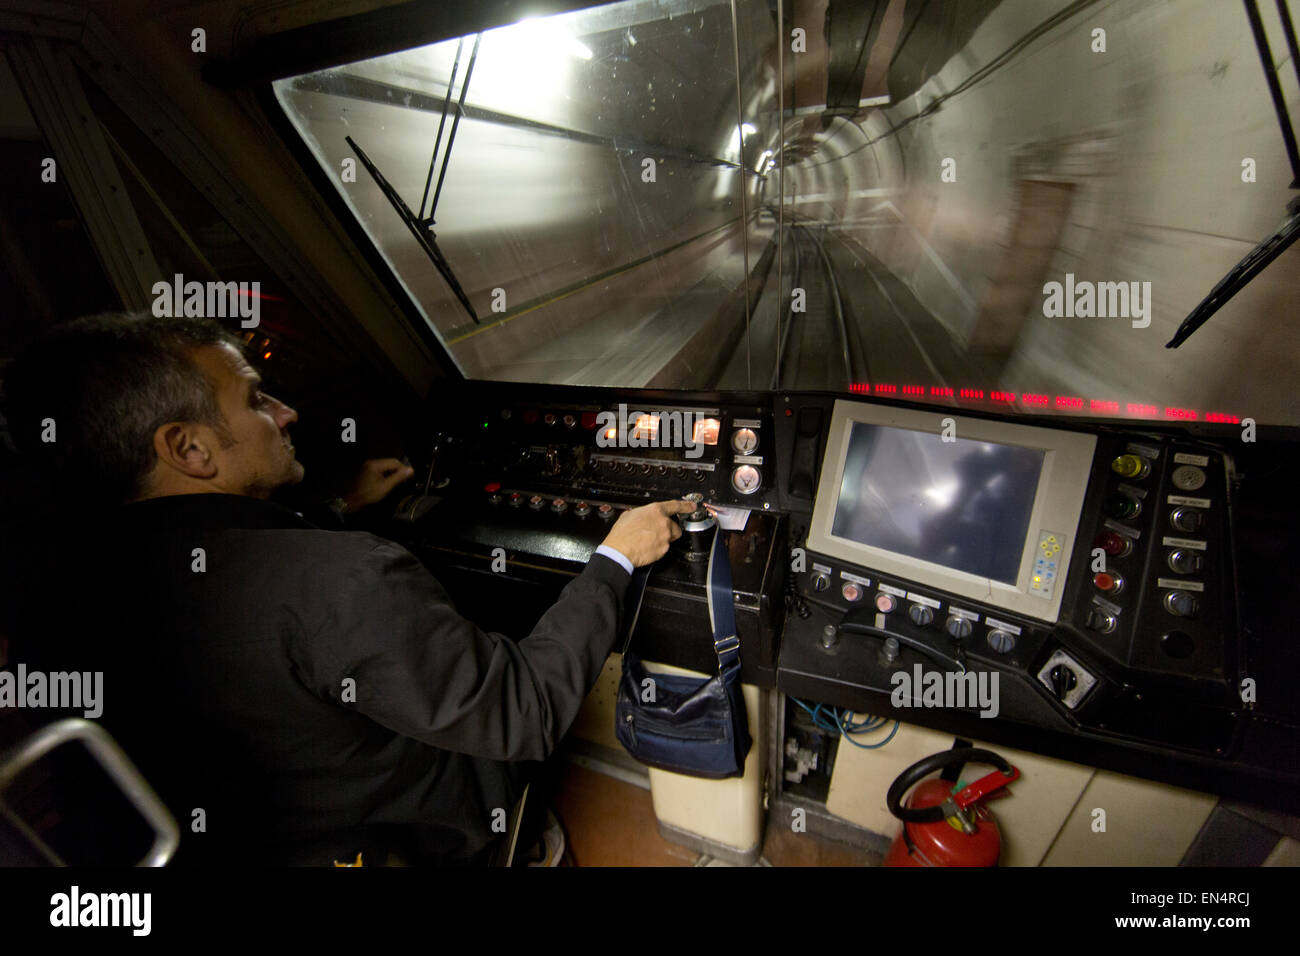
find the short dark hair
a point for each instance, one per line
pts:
(108, 382)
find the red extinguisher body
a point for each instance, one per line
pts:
(945, 843)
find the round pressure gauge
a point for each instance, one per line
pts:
(744, 441)
(746, 479)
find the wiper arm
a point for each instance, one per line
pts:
(423, 234)
(1245, 270)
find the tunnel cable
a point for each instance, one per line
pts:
(744, 218)
(780, 183)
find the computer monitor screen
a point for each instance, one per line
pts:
(956, 502)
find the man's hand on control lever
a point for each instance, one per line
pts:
(378, 477)
(643, 534)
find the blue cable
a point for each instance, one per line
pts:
(845, 727)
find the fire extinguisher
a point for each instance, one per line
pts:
(942, 827)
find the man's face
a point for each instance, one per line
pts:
(257, 455)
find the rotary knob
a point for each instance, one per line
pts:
(515, 499)
(606, 512)
(581, 509)
(920, 615)
(559, 506)
(1181, 604)
(1063, 680)
(1185, 562)
(1099, 619)
(1001, 641)
(537, 502)
(1187, 519)
(958, 628)
(820, 581)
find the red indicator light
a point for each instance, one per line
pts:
(913, 390)
(943, 391)
(1222, 417)
(1029, 398)
(530, 416)
(885, 389)
(1183, 413)
(971, 393)
(589, 420)
(1106, 582)
(1067, 401)
(1002, 396)
(789, 412)
(1143, 411)
(1101, 405)
(859, 387)
(1115, 545)
(492, 487)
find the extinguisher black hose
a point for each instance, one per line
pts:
(928, 765)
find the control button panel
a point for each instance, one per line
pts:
(1154, 538)
(1047, 561)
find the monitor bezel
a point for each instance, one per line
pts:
(1058, 503)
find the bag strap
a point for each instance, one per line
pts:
(722, 605)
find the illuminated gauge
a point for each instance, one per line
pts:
(706, 431)
(746, 479)
(744, 441)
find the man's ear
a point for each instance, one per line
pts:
(181, 448)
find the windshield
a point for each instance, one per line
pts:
(1008, 205)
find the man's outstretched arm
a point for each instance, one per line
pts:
(423, 671)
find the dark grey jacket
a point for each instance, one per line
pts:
(315, 690)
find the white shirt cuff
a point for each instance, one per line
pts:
(615, 555)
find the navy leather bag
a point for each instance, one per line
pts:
(687, 724)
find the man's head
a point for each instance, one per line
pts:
(144, 407)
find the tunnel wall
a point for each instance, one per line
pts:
(1151, 135)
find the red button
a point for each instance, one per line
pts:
(1103, 581)
(589, 420)
(1114, 544)
(492, 487)
(885, 602)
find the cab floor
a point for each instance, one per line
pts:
(608, 822)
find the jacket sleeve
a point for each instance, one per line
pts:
(423, 671)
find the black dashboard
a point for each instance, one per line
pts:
(1169, 654)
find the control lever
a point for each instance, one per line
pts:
(853, 623)
(698, 529)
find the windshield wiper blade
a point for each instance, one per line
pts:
(1245, 270)
(423, 234)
